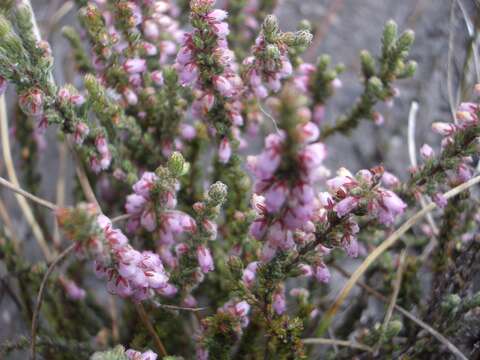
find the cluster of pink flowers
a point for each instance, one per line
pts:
(103, 158)
(380, 202)
(215, 81)
(31, 102)
(285, 203)
(157, 213)
(137, 355)
(467, 117)
(161, 34)
(130, 273)
(267, 67)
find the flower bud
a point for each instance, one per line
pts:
(270, 24)
(218, 192)
(176, 164)
(31, 102)
(426, 152)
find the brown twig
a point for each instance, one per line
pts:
(27, 195)
(41, 291)
(156, 339)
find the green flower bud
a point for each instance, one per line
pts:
(368, 64)
(117, 353)
(451, 303)
(405, 41)
(288, 38)
(218, 192)
(389, 35)
(270, 25)
(375, 86)
(305, 25)
(393, 329)
(176, 164)
(323, 62)
(303, 38)
(408, 70)
(272, 52)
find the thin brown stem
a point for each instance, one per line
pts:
(156, 339)
(41, 291)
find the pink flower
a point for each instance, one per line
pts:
(189, 74)
(31, 102)
(137, 355)
(322, 274)
(188, 132)
(426, 152)
(72, 290)
(130, 96)
(309, 132)
(148, 220)
(313, 155)
(217, 15)
(150, 29)
(440, 200)
(145, 184)
(242, 308)
(205, 259)
(275, 197)
(81, 132)
(390, 180)
(157, 77)
(351, 247)
(223, 86)
(135, 204)
(444, 129)
(136, 65)
(345, 206)
(390, 207)
(279, 303)
(224, 151)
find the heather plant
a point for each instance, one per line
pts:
(204, 221)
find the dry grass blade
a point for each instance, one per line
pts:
(351, 344)
(392, 239)
(27, 195)
(7, 156)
